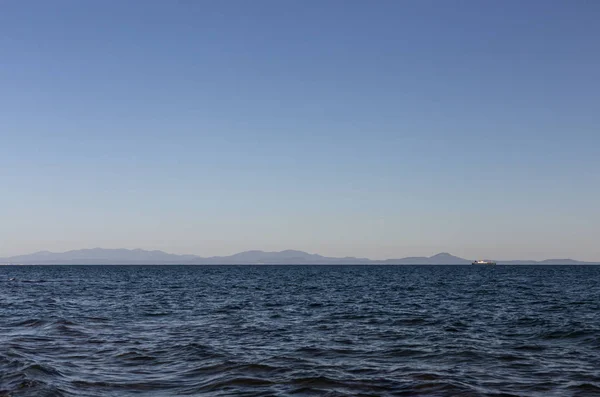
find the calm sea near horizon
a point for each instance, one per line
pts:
(299, 330)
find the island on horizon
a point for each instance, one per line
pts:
(102, 256)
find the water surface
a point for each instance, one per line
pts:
(299, 330)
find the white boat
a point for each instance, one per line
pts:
(483, 262)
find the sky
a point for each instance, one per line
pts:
(375, 129)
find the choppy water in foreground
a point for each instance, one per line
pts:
(299, 330)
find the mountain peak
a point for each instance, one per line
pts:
(443, 254)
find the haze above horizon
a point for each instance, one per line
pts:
(102, 256)
(379, 130)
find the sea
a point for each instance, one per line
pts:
(299, 331)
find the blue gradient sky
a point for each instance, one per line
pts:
(379, 129)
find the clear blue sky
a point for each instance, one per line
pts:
(364, 128)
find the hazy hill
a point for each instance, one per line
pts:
(443, 258)
(138, 256)
(99, 255)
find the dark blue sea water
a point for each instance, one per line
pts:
(299, 331)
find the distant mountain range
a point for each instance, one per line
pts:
(289, 257)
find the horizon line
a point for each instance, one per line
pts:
(294, 250)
